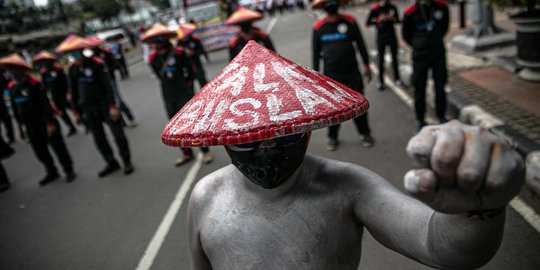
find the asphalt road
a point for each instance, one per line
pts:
(108, 223)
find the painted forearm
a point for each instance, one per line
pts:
(463, 241)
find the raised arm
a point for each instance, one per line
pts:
(465, 178)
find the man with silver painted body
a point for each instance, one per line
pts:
(277, 208)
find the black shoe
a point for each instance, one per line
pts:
(48, 179)
(332, 145)
(380, 86)
(128, 168)
(110, 168)
(368, 141)
(72, 131)
(70, 176)
(5, 186)
(419, 126)
(442, 120)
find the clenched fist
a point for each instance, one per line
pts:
(463, 168)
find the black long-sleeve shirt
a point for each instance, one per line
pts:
(333, 39)
(385, 29)
(175, 72)
(194, 47)
(30, 103)
(90, 84)
(110, 61)
(238, 43)
(55, 81)
(424, 28)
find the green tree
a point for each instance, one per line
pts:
(103, 9)
(161, 4)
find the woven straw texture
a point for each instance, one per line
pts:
(14, 60)
(44, 56)
(261, 95)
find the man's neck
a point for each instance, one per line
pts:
(332, 17)
(247, 36)
(279, 192)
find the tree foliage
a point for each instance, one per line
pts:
(103, 9)
(161, 4)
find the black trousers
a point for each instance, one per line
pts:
(172, 107)
(3, 176)
(39, 140)
(62, 107)
(381, 47)
(353, 81)
(5, 118)
(421, 68)
(199, 71)
(95, 118)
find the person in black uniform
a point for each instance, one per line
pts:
(93, 97)
(55, 81)
(244, 18)
(5, 152)
(32, 110)
(384, 15)
(111, 64)
(424, 26)
(195, 49)
(333, 38)
(5, 117)
(174, 70)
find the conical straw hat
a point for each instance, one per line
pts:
(243, 14)
(44, 56)
(157, 30)
(184, 30)
(318, 4)
(73, 43)
(261, 95)
(14, 60)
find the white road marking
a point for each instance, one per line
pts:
(154, 246)
(522, 208)
(271, 24)
(526, 212)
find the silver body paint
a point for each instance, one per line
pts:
(316, 218)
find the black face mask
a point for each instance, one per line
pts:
(331, 7)
(269, 167)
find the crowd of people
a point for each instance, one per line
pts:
(88, 86)
(276, 207)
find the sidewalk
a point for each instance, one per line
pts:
(481, 92)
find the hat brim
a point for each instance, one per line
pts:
(320, 4)
(165, 34)
(14, 65)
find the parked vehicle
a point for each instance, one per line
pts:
(116, 35)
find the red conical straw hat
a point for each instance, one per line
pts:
(243, 14)
(44, 56)
(156, 31)
(317, 4)
(261, 95)
(95, 41)
(184, 30)
(73, 43)
(14, 60)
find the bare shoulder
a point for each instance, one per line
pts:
(210, 185)
(345, 175)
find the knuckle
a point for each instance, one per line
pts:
(470, 177)
(444, 161)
